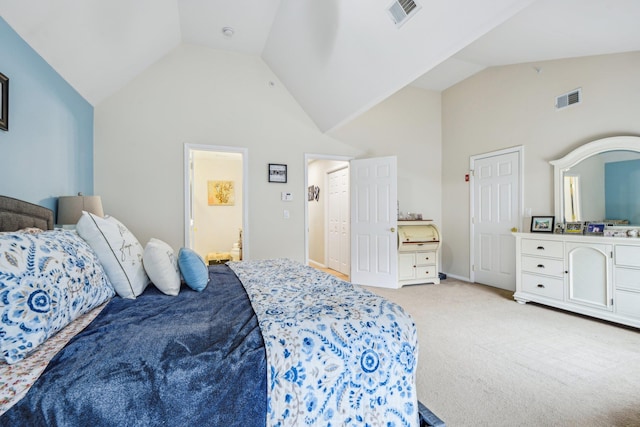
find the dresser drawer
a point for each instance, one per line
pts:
(425, 258)
(552, 267)
(542, 248)
(544, 286)
(627, 255)
(627, 303)
(628, 278)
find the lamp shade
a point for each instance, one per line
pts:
(70, 208)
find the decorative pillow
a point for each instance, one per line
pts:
(47, 280)
(194, 271)
(119, 252)
(161, 265)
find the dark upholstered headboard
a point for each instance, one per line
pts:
(17, 214)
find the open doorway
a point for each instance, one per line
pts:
(327, 214)
(215, 202)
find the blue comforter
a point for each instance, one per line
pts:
(317, 351)
(197, 359)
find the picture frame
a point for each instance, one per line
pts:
(574, 228)
(313, 193)
(277, 173)
(4, 102)
(221, 193)
(542, 224)
(595, 228)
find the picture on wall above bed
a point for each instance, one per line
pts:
(4, 102)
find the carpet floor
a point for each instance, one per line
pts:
(485, 360)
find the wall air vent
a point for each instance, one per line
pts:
(402, 10)
(570, 98)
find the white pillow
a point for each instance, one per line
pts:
(119, 252)
(161, 265)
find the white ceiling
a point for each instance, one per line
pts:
(546, 30)
(337, 58)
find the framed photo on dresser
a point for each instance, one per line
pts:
(4, 102)
(542, 224)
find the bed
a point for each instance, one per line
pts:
(262, 343)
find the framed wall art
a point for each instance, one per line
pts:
(221, 193)
(277, 173)
(4, 102)
(542, 224)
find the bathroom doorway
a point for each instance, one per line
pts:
(215, 202)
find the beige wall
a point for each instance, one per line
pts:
(514, 105)
(407, 125)
(203, 96)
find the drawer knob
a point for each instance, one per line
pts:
(540, 266)
(540, 248)
(540, 285)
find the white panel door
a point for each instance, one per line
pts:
(374, 242)
(339, 222)
(496, 195)
(333, 244)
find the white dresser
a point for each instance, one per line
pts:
(418, 243)
(592, 275)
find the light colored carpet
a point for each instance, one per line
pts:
(485, 360)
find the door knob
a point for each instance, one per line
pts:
(393, 230)
(514, 230)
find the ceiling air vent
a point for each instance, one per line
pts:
(402, 10)
(573, 97)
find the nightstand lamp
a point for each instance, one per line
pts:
(70, 208)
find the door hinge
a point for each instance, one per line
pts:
(471, 172)
(611, 254)
(473, 267)
(611, 301)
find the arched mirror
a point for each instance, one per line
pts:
(599, 181)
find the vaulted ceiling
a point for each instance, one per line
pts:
(338, 58)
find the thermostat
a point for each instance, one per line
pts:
(287, 196)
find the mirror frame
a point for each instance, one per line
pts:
(560, 166)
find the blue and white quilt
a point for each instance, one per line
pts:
(337, 355)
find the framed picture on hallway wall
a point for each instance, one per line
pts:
(277, 173)
(4, 102)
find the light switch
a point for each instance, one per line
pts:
(285, 214)
(286, 196)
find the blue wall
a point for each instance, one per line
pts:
(622, 190)
(48, 150)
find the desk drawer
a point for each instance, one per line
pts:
(425, 258)
(627, 303)
(628, 255)
(544, 286)
(551, 267)
(426, 272)
(542, 248)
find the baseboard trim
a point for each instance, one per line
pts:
(313, 263)
(461, 278)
